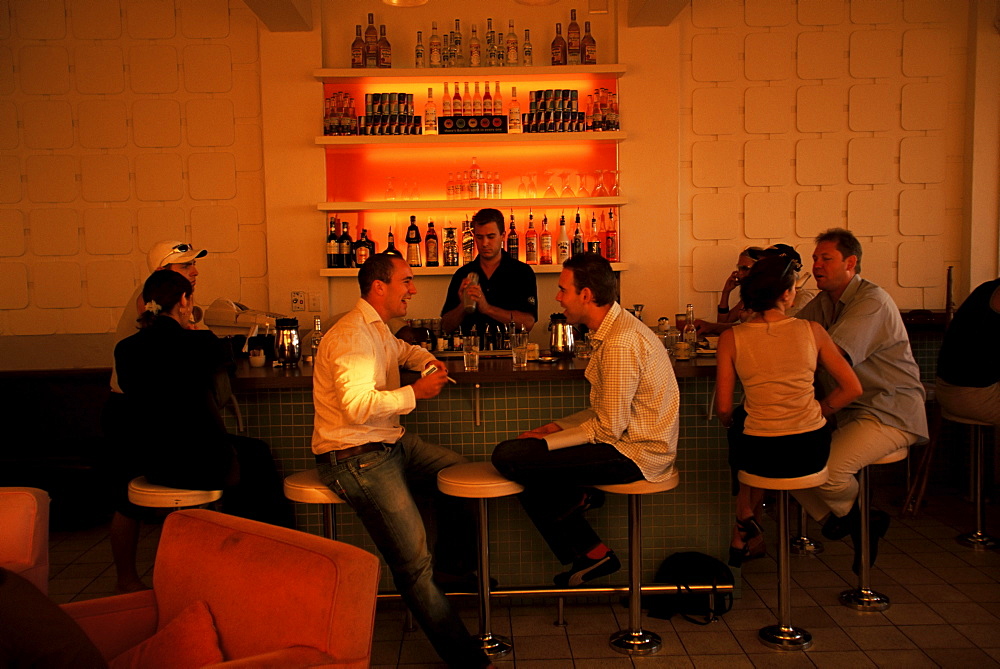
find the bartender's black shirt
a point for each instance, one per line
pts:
(512, 287)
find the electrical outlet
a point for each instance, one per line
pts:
(298, 300)
(314, 302)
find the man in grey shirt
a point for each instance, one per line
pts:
(865, 324)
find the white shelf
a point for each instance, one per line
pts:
(615, 136)
(534, 73)
(448, 271)
(539, 203)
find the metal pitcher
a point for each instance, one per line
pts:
(560, 336)
(286, 342)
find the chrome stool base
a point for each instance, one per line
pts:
(805, 546)
(785, 637)
(978, 540)
(864, 599)
(641, 642)
(495, 645)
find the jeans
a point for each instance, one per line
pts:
(379, 486)
(552, 483)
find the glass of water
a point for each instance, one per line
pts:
(519, 349)
(470, 349)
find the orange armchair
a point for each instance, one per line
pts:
(24, 534)
(278, 597)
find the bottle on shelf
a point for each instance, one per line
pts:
(475, 176)
(384, 49)
(431, 245)
(316, 336)
(430, 114)
(413, 243)
(419, 55)
(559, 47)
(690, 332)
(526, 60)
(514, 113)
(491, 44)
(456, 102)
(497, 186)
(611, 238)
(513, 246)
(346, 246)
(446, 53)
(477, 102)
(511, 52)
(390, 246)
(573, 40)
(467, 101)
(545, 243)
(446, 102)
(434, 46)
(594, 240)
(468, 243)
(333, 245)
(531, 241)
(497, 100)
(562, 242)
(578, 244)
(364, 248)
(588, 47)
(357, 48)
(487, 100)
(475, 49)
(470, 304)
(371, 43)
(449, 187)
(450, 248)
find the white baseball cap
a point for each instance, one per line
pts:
(168, 251)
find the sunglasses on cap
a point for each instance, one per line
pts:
(182, 248)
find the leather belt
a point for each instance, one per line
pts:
(333, 457)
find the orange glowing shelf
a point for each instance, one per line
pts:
(539, 203)
(540, 73)
(614, 136)
(448, 271)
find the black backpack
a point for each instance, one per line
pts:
(700, 607)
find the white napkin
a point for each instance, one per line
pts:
(573, 436)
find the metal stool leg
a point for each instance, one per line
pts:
(784, 636)
(493, 645)
(803, 544)
(863, 598)
(635, 640)
(329, 521)
(978, 539)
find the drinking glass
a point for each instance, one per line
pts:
(519, 349)
(522, 191)
(566, 190)
(470, 349)
(582, 190)
(390, 191)
(616, 189)
(549, 190)
(531, 185)
(599, 189)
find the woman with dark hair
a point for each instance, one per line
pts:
(167, 373)
(781, 431)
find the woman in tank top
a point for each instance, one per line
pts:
(781, 431)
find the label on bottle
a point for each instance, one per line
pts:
(361, 254)
(562, 251)
(432, 252)
(531, 250)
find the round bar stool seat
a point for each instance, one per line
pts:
(635, 640)
(784, 636)
(863, 598)
(978, 538)
(143, 493)
(481, 481)
(306, 487)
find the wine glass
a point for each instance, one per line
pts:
(550, 191)
(599, 189)
(390, 190)
(616, 190)
(582, 190)
(566, 190)
(522, 190)
(531, 185)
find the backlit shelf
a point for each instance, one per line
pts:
(448, 271)
(540, 73)
(615, 136)
(539, 203)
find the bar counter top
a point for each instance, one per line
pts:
(491, 370)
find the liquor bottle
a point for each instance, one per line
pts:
(497, 186)
(390, 246)
(371, 43)
(456, 101)
(430, 114)
(346, 246)
(477, 102)
(611, 238)
(588, 47)
(474, 181)
(413, 243)
(545, 243)
(449, 188)
(419, 58)
(690, 332)
(511, 52)
(578, 246)
(316, 336)
(446, 54)
(491, 44)
(475, 49)
(513, 246)
(434, 46)
(332, 245)
(487, 100)
(562, 242)
(364, 248)
(531, 241)
(594, 240)
(558, 47)
(458, 59)
(466, 101)
(514, 113)
(470, 304)
(446, 102)
(357, 49)
(431, 245)
(384, 49)
(486, 190)
(468, 243)
(573, 39)
(497, 100)
(527, 60)
(450, 248)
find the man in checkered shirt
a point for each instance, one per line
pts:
(629, 433)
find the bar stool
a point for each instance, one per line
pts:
(635, 640)
(863, 598)
(306, 487)
(978, 538)
(481, 481)
(803, 544)
(784, 636)
(143, 493)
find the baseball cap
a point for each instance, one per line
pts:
(168, 251)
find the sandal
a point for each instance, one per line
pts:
(749, 530)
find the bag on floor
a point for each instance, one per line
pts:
(687, 569)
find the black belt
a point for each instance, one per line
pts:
(333, 457)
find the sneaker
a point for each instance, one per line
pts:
(585, 569)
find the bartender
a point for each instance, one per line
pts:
(495, 288)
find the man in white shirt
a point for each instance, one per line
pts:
(366, 457)
(629, 433)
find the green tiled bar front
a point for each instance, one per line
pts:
(697, 515)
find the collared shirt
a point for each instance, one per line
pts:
(356, 389)
(512, 287)
(634, 402)
(866, 324)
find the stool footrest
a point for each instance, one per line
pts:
(785, 637)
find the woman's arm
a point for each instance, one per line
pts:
(833, 361)
(725, 377)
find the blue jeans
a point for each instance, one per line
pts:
(378, 486)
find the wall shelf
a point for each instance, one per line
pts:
(448, 271)
(539, 203)
(615, 136)
(539, 73)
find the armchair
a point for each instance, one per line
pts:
(24, 534)
(278, 597)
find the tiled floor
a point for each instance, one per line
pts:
(945, 608)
